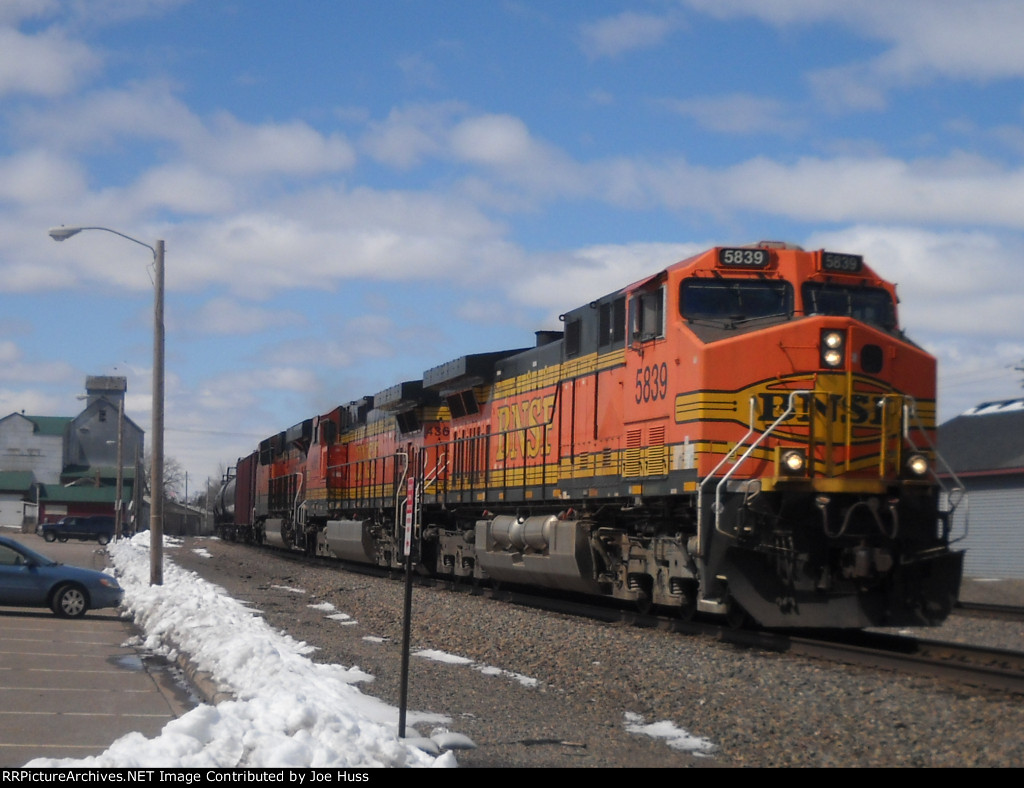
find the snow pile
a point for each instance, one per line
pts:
(287, 710)
(676, 738)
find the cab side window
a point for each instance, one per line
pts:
(647, 315)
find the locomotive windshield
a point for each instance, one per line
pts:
(868, 304)
(735, 299)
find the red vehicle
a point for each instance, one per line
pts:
(747, 433)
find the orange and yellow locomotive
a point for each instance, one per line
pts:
(747, 433)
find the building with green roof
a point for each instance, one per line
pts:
(55, 466)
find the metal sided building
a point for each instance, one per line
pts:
(985, 449)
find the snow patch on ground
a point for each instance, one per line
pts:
(675, 737)
(287, 710)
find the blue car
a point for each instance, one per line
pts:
(29, 579)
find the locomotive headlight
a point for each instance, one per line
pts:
(793, 462)
(833, 348)
(917, 465)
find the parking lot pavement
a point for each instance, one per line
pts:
(70, 687)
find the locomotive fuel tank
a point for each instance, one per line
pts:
(540, 551)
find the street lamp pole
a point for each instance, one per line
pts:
(156, 506)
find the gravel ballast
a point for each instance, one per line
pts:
(540, 689)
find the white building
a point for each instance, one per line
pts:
(53, 466)
(985, 449)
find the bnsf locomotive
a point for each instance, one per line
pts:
(746, 433)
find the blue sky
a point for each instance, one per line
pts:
(353, 191)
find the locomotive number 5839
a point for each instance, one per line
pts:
(652, 383)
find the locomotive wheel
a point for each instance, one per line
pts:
(737, 617)
(689, 607)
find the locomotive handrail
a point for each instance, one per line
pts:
(710, 476)
(952, 498)
(301, 483)
(768, 431)
(369, 480)
(400, 488)
(790, 407)
(434, 475)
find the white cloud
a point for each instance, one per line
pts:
(849, 88)
(14, 368)
(409, 134)
(9, 352)
(504, 144)
(184, 189)
(738, 113)
(35, 175)
(963, 39)
(494, 140)
(294, 148)
(566, 281)
(323, 237)
(32, 402)
(151, 112)
(364, 337)
(625, 32)
(956, 189)
(101, 120)
(960, 39)
(47, 64)
(14, 11)
(418, 71)
(107, 12)
(225, 316)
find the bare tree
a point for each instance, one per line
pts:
(174, 476)
(205, 497)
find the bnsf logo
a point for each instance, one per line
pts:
(522, 428)
(859, 410)
(832, 408)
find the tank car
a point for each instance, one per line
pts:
(224, 507)
(746, 433)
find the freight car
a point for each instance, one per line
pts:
(746, 433)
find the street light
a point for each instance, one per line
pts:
(156, 508)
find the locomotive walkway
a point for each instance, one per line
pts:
(70, 687)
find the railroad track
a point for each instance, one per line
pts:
(996, 670)
(980, 667)
(980, 610)
(984, 668)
